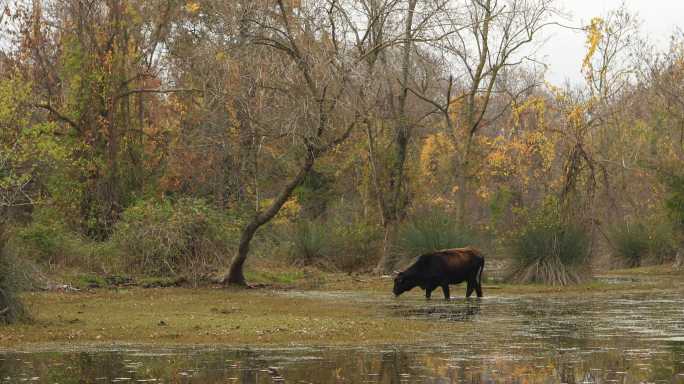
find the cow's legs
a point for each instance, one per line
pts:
(471, 287)
(478, 288)
(445, 289)
(428, 292)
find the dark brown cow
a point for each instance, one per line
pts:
(441, 268)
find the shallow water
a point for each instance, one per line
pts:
(624, 338)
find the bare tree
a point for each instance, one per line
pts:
(313, 89)
(662, 76)
(386, 43)
(482, 39)
(392, 205)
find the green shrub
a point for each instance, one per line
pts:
(310, 242)
(431, 231)
(674, 202)
(173, 238)
(549, 250)
(45, 241)
(662, 240)
(48, 241)
(631, 243)
(356, 245)
(335, 245)
(673, 179)
(14, 277)
(636, 243)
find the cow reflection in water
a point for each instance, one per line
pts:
(441, 268)
(466, 312)
(463, 311)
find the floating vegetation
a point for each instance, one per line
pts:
(619, 336)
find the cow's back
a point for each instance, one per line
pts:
(458, 264)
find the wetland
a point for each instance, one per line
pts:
(617, 330)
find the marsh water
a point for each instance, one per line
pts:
(608, 338)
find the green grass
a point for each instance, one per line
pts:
(275, 277)
(204, 316)
(653, 270)
(266, 316)
(160, 282)
(89, 281)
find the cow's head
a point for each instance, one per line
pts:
(403, 282)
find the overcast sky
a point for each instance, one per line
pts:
(565, 48)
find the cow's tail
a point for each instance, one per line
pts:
(479, 276)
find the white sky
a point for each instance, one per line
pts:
(565, 48)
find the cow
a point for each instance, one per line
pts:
(441, 268)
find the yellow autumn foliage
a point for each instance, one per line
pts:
(289, 211)
(455, 105)
(576, 116)
(594, 36)
(437, 149)
(525, 156)
(534, 104)
(192, 7)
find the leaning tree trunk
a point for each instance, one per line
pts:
(235, 275)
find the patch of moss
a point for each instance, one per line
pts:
(208, 316)
(287, 277)
(118, 280)
(334, 314)
(89, 282)
(162, 282)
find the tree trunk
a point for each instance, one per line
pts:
(235, 275)
(464, 184)
(388, 259)
(473, 116)
(679, 260)
(392, 209)
(3, 217)
(382, 204)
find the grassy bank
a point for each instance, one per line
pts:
(339, 310)
(204, 315)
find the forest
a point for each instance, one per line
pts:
(268, 191)
(213, 141)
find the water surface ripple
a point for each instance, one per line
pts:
(623, 338)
